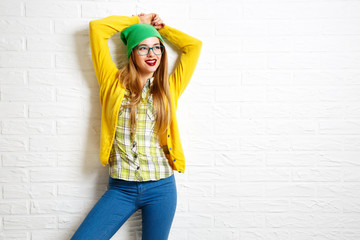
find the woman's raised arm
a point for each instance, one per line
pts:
(100, 31)
(190, 51)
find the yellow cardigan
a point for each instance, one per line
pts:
(112, 92)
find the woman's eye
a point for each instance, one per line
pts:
(142, 48)
(157, 47)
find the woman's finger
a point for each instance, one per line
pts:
(157, 21)
(155, 17)
(160, 22)
(160, 26)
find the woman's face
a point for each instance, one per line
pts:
(148, 63)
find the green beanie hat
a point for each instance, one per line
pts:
(136, 33)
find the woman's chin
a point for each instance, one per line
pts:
(149, 70)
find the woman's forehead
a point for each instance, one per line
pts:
(150, 41)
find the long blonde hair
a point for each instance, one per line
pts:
(129, 78)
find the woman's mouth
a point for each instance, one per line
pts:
(151, 62)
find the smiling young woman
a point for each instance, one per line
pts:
(139, 131)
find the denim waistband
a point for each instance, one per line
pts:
(115, 181)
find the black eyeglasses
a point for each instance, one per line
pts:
(144, 50)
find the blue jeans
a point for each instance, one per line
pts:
(156, 199)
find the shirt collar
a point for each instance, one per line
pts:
(147, 86)
(145, 89)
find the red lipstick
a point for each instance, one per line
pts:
(151, 62)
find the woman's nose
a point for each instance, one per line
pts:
(150, 53)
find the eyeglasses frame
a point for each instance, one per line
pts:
(150, 48)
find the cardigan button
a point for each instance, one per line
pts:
(174, 160)
(179, 171)
(168, 135)
(170, 149)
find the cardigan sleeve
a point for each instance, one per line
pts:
(99, 32)
(190, 51)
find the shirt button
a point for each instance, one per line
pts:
(135, 156)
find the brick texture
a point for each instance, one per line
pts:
(270, 122)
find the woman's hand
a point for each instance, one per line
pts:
(151, 18)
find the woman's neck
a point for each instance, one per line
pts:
(144, 78)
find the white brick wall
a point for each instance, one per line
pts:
(270, 122)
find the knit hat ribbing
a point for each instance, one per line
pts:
(136, 33)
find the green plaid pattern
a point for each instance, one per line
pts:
(143, 159)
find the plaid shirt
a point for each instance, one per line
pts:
(143, 159)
